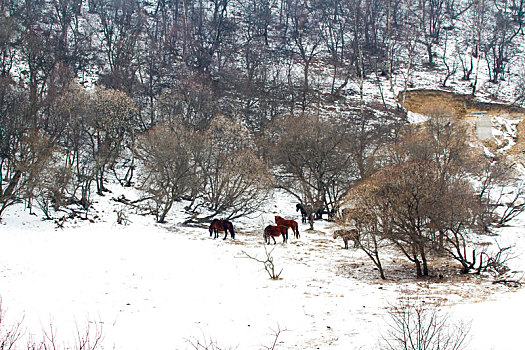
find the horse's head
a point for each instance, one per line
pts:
(337, 233)
(298, 207)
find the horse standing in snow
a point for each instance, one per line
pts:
(347, 235)
(271, 231)
(288, 223)
(304, 213)
(221, 225)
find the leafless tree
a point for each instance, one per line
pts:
(421, 202)
(317, 166)
(268, 263)
(276, 334)
(414, 325)
(167, 169)
(15, 336)
(365, 216)
(111, 122)
(232, 178)
(505, 25)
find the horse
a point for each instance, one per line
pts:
(221, 225)
(312, 212)
(288, 223)
(347, 235)
(275, 231)
(304, 213)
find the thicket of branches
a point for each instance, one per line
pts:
(414, 325)
(90, 88)
(15, 336)
(426, 204)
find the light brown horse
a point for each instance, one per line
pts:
(288, 223)
(347, 235)
(271, 231)
(221, 225)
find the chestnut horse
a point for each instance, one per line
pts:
(221, 225)
(275, 231)
(288, 223)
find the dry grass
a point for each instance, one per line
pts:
(519, 147)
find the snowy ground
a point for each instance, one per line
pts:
(151, 286)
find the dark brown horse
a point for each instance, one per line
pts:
(275, 231)
(221, 225)
(288, 223)
(304, 212)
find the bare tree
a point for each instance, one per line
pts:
(415, 325)
(317, 166)
(167, 171)
(14, 336)
(411, 32)
(232, 178)
(111, 122)
(421, 202)
(431, 15)
(365, 216)
(506, 24)
(267, 262)
(306, 35)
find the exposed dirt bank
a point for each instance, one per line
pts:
(419, 101)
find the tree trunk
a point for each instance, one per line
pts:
(429, 52)
(424, 260)
(419, 272)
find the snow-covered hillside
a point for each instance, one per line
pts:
(151, 286)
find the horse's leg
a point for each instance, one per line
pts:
(346, 243)
(274, 241)
(225, 234)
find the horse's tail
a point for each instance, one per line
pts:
(232, 233)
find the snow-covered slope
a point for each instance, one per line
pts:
(150, 286)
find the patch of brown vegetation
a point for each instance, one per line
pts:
(417, 101)
(519, 147)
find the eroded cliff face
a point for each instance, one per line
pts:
(420, 101)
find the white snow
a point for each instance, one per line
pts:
(416, 118)
(151, 286)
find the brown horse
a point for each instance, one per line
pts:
(347, 235)
(275, 231)
(288, 223)
(221, 225)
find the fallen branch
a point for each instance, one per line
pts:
(509, 282)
